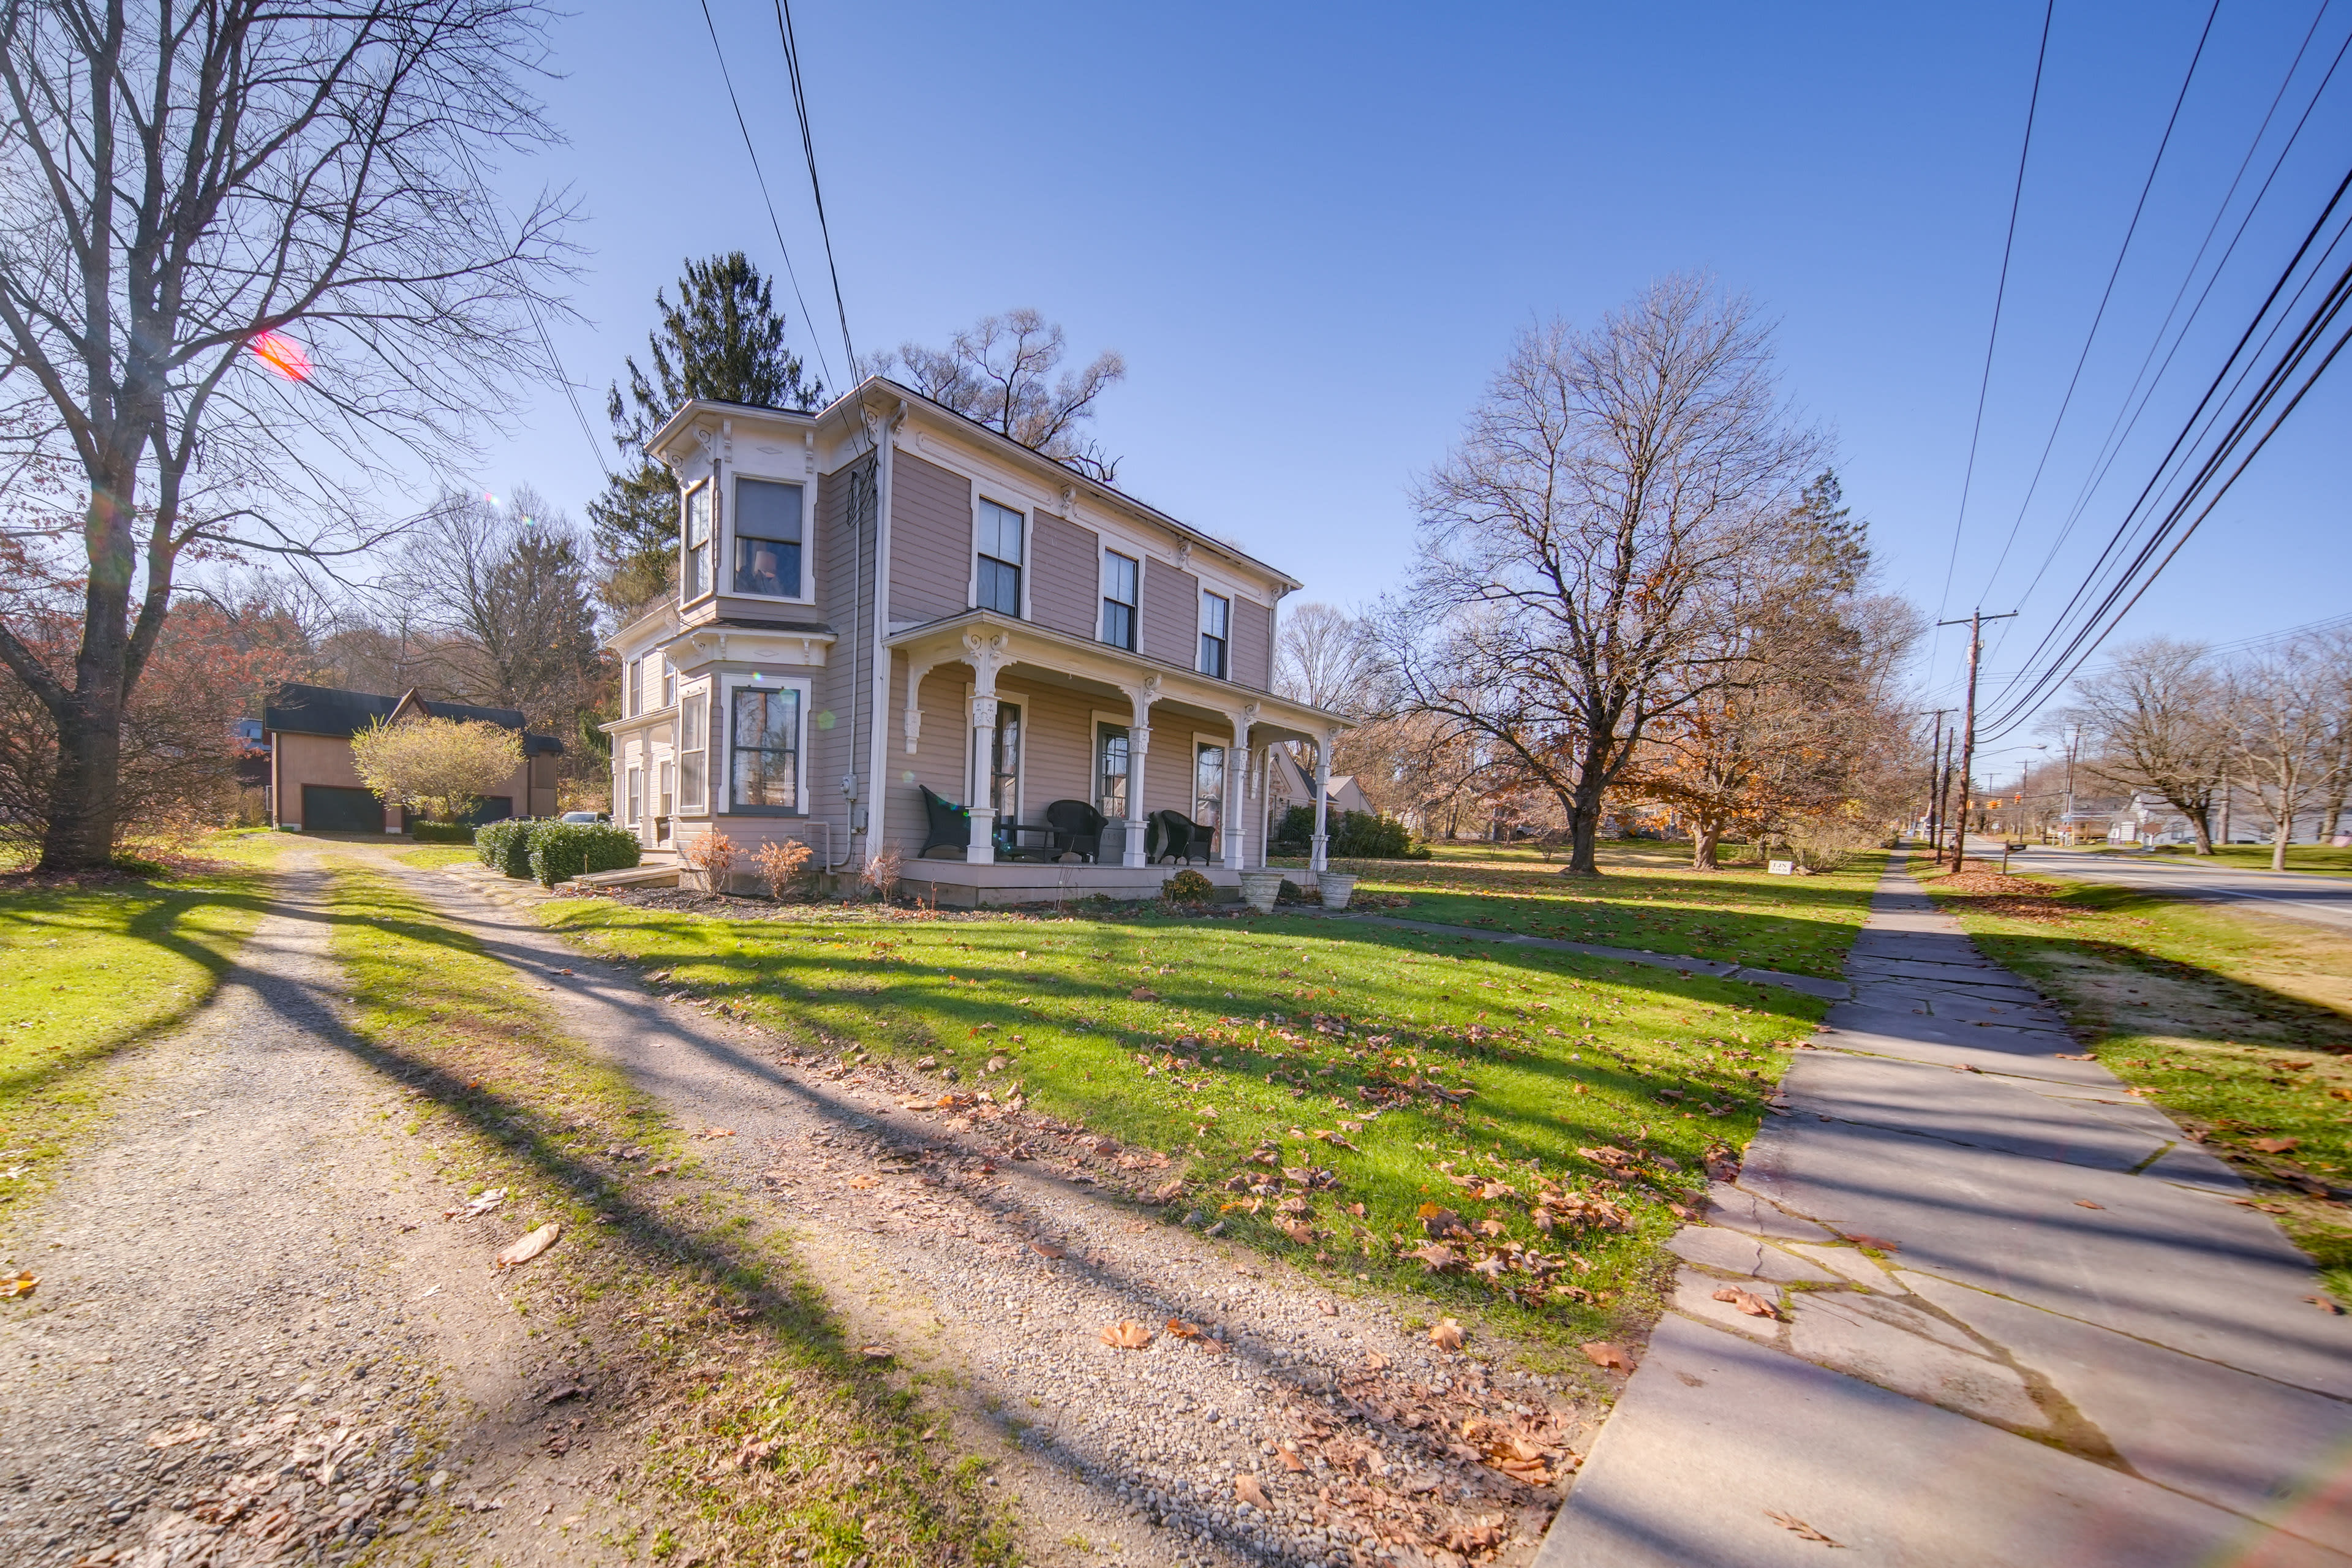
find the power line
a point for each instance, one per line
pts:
(761, 175)
(816, 191)
(2106, 296)
(563, 379)
(1999, 295)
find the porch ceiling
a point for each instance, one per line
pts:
(1036, 656)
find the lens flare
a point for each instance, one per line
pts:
(281, 353)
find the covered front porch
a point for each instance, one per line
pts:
(1074, 768)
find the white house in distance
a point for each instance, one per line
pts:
(896, 626)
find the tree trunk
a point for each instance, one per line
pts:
(2201, 824)
(85, 797)
(2278, 843)
(1703, 838)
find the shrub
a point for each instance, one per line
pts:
(882, 869)
(1355, 835)
(713, 855)
(504, 846)
(1826, 843)
(1188, 887)
(783, 862)
(440, 766)
(441, 833)
(561, 850)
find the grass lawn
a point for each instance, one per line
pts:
(2239, 1025)
(2324, 859)
(654, 1267)
(1647, 898)
(432, 856)
(85, 972)
(1344, 1094)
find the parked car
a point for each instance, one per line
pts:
(586, 816)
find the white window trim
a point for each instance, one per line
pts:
(722, 783)
(1028, 513)
(809, 530)
(633, 799)
(1193, 779)
(717, 529)
(688, 696)
(1102, 570)
(1096, 718)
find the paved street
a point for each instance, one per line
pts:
(2291, 895)
(1971, 1302)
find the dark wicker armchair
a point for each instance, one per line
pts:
(1077, 829)
(1173, 836)
(950, 825)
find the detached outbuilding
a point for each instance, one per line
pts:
(314, 786)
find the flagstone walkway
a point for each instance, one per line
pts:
(2017, 1317)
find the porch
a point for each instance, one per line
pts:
(1015, 724)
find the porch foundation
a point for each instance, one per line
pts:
(958, 884)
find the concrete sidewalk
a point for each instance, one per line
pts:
(2019, 1317)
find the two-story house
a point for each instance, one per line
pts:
(885, 598)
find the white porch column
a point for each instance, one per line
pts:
(986, 656)
(1237, 788)
(1321, 858)
(1138, 747)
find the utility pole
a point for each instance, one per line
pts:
(1935, 784)
(1977, 618)
(1944, 795)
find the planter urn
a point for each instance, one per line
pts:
(1336, 888)
(1260, 888)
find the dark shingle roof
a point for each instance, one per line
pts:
(330, 711)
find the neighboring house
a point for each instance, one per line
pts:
(1291, 787)
(314, 787)
(885, 596)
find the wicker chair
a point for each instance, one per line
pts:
(1176, 836)
(950, 825)
(1077, 829)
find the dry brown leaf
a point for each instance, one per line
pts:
(716, 1133)
(2087, 1203)
(1436, 1256)
(1182, 1330)
(1161, 1194)
(1127, 1334)
(1144, 994)
(876, 1353)
(1246, 1487)
(1446, 1335)
(1289, 1457)
(1608, 1353)
(1049, 1250)
(524, 1248)
(1299, 1231)
(862, 1182)
(1790, 1522)
(17, 1285)
(1875, 1243)
(2274, 1145)
(752, 1452)
(1747, 1301)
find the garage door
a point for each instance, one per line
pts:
(337, 808)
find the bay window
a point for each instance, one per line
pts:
(767, 539)
(693, 762)
(764, 747)
(694, 575)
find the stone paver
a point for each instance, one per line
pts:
(2052, 1335)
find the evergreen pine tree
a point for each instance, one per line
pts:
(724, 339)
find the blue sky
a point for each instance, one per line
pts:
(1313, 232)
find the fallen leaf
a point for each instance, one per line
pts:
(566, 1391)
(1144, 994)
(1448, 1335)
(2274, 1145)
(716, 1133)
(1789, 1523)
(1047, 1249)
(752, 1452)
(2326, 1304)
(1127, 1334)
(862, 1182)
(17, 1285)
(875, 1353)
(1182, 1330)
(1875, 1243)
(1437, 1258)
(194, 1432)
(478, 1204)
(1747, 1301)
(1246, 1487)
(1289, 1457)
(2087, 1203)
(524, 1248)
(1608, 1353)
(1299, 1231)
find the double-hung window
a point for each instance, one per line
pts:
(1216, 630)
(1000, 559)
(667, 799)
(692, 760)
(669, 683)
(637, 797)
(1110, 770)
(694, 578)
(632, 699)
(766, 746)
(1120, 579)
(768, 539)
(1208, 784)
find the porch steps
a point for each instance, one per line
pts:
(651, 874)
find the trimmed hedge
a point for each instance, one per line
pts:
(441, 833)
(561, 850)
(1355, 835)
(505, 845)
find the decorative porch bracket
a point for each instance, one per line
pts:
(911, 721)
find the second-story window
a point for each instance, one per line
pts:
(669, 682)
(634, 700)
(1216, 627)
(1000, 559)
(1120, 578)
(694, 577)
(768, 539)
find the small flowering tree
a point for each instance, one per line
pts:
(439, 768)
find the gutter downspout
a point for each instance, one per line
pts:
(877, 692)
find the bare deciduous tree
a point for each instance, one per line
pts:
(1327, 659)
(2153, 718)
(2282, 738)
(252, 259)
(1582, 550)
(999, 372)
